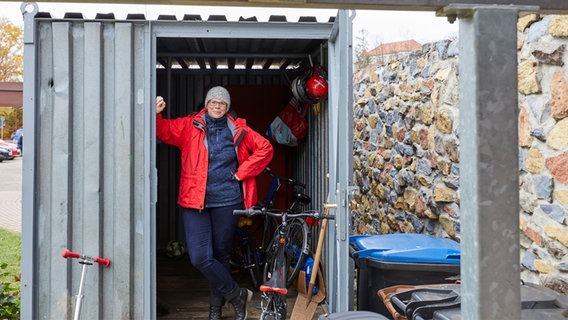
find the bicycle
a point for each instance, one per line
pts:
(287, 251)
(249, 252)
(298, 230)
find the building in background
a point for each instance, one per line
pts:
(390, 51)
(11, 102)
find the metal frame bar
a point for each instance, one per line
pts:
(259, 55)
(260, 30)
(29, 234)
(340, 164)
(547, 6)
(490, 269)
(150, 184)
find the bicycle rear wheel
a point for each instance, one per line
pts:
(247, 255)
(254, 265)
(295, 253)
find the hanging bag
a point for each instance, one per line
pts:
(290, 127)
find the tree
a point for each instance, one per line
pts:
(11, 68)
(362, 59)
(11, 51)
(14, 121)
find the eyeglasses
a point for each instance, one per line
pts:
(215, 103)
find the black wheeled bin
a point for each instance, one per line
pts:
(352, 315)
(537, 302)
(400, 259)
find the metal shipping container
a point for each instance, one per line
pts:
(96, 180)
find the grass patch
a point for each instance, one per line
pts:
(10, 254)
(10, 270)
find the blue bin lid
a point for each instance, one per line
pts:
(407, 247)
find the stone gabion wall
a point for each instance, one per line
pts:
(543, 141)
(406, 146)
(406, 159)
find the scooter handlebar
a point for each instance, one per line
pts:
(105, 262)
(70, 254)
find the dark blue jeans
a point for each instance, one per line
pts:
(209, 234)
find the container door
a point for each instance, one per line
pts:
(340, 288)
(84, 173)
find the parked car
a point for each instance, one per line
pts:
(5, 154)
(12, 147)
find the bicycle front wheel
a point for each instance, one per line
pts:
(273, 306)
(296, 250)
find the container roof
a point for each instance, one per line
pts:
(234, 53)
(229, 52)
(238, 53)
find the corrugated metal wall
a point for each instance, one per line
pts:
(90, 191)
(312, 161)
(312, 165)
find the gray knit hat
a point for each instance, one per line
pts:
(218, 93)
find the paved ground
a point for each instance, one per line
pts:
(11, 194)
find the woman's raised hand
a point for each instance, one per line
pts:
(160, 104)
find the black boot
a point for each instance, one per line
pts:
(240, 303)
(215, 313)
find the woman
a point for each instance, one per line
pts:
(221, 156)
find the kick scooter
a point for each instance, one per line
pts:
(85, 261)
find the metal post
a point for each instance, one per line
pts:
(489, 208)
(29, 258)
(340, 294)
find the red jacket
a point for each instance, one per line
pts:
(254, 153)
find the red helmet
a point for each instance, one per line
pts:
(298, 87)
(311, 86)
(316, 87)
(309, 90)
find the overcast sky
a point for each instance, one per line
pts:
(382, 26)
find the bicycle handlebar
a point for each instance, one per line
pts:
(279, 213)
(70, 254)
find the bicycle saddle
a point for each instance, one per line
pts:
(302, 198)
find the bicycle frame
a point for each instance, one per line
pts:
(298, 198)
(273, 303)
(274, 290)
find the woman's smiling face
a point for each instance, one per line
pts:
(216, 108)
